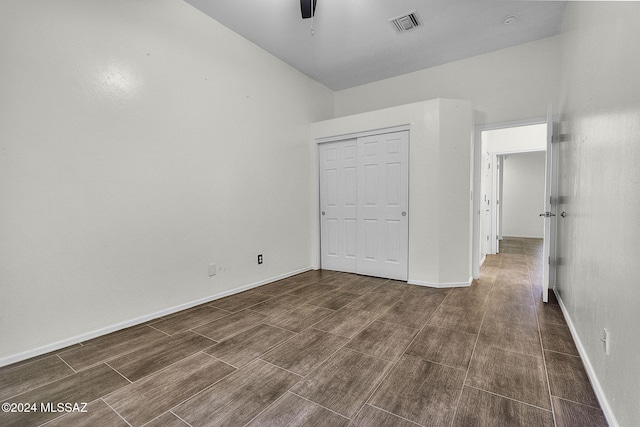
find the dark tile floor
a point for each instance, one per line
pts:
(330, 349)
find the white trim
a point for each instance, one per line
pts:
(362, 134)
(476, 176)
(591, 373)
(520, 151)
(511, 124)
(138, 320)
(442, 285)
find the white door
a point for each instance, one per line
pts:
(486, 205)
(383, 204)
(338, 202)
(364, 204)
(497, 195)
(550, 203)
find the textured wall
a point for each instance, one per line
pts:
(139, 142)
(599, 240)
(509, 84)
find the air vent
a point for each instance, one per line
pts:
(406, 22)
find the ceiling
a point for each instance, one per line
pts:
(354, 43)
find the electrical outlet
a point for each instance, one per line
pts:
(259, 259)
(212, 269)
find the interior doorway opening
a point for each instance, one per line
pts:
(495, 146)
(518, 190)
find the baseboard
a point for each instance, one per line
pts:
(138, 320)
(597, 388)
(441, 285)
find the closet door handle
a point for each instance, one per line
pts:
(404, 213)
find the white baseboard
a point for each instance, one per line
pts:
(136, 321)
(597, 388)
(441, 285)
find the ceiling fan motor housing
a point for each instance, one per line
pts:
(308, 8)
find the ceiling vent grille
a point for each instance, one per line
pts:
(406, 22)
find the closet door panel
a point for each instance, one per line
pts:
(338, 203)
(364, 205)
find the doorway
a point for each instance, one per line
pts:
(491, 144)
(520, 185)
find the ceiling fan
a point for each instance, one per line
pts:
(308, 8)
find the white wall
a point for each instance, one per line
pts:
(523, 177)
(439, 183)
(510, 84)
(139, 142)
(515, 138)
(599, 189)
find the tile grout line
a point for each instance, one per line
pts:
(316, 403)
(117, 355)
(280, 367)
(117, 372)
(434, 362)
(196, 394)
(41, 385)
(267, 407)
(191, 327)
(578, 403)
(220, 360)
(308, 400)
(156, 329)
(169, 365)
(65, 362)
(544, 361)
(473, 352)
(114, 410)
(388, 412)
(394, 364)
(178, 417)
(509, 398)
(63, 414)
(371, 355)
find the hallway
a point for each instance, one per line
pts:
(327, 348)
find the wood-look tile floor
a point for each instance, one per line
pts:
(330, 349)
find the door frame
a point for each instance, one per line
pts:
(477, 177)
(341, 137)
(550, 206)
